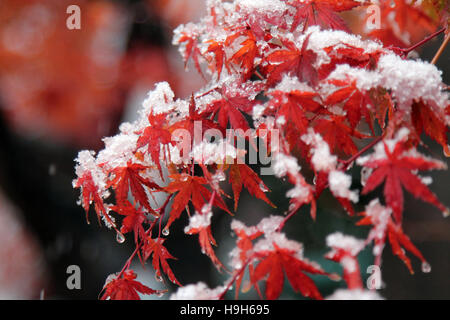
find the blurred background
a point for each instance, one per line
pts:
(62, 90)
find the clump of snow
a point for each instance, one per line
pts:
(159, 100)
(364, 79)
(340, 185)
(284, 164)
(321, 159)
(240, 226)
(262, 6)
(199, 221)
(347, 243)
(409, 80)
(267, 244)
(198, 291)
(379, 215)
(86, 164)
(214, 153)
(118, 150)
(289, 83)
(355, 294)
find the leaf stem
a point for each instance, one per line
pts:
(441, 49)
(348, 162)
(418, 44)
(233, 279)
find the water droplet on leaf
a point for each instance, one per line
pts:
(426, 267)
(120, 237)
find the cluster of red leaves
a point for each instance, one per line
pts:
(258, 70)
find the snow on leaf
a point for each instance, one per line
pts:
(274, 263)
(292, 61)
(189, 189)
(127, 179)
(393, 164)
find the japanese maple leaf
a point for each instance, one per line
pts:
(344, 53)
(127, 179)
(276, 262)
(338, 134)
(134, 218)
(385, 228)
(246, 55)
(190, 189)
(242, 175)
(206, 241)
(217, 48)
(293, 106)
(292, 61)
(154, 137)
(192, 50)
(195, 119)
(230, 109)
(321, 12)
(321, 179)
(160, 255)
(430, 120)
(396, 170)
(245, 245)
(90, 193)
(354, 101)
(126, 288)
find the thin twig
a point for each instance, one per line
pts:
(441, 49)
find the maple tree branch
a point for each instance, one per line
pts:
(233, 279)
(290, 215)
(348, 162)
(418, 44)
(441, 49)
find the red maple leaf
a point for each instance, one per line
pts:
(159, 253)
(195, 119)
(395, 169)
(430, 120)
(89, 194)
(206, 241)
(292, 61)
(230, 108)
(279, 261)
(354, 101)
(129, 179)
(190, 189)
(134, 218)
(217, 48)
(126, 288)
(293, 108)
(321, 12)
(155, 135)
(191, 51)
(384, 227)
(243, 175)
(338, 134)
(246, 55)
(245, 245)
